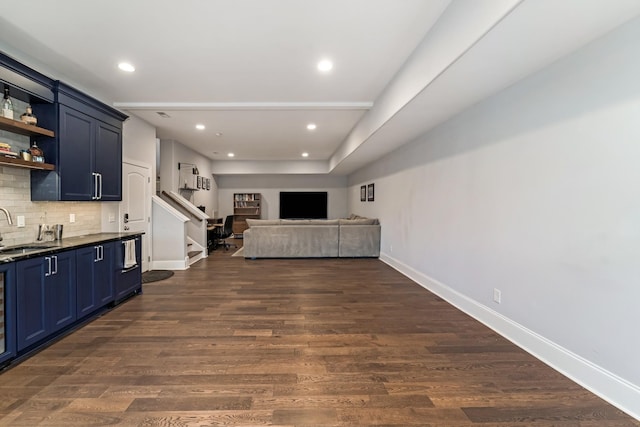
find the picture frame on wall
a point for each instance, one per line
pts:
(199, 182)
(208, 183)
(370, 192)
(363, 193)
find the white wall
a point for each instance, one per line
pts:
(172, 153)
(270, 187)
(140, 143)
(536, 192)
(139, 146)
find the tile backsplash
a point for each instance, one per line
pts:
(15, 196)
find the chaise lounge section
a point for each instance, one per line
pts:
(282, 238)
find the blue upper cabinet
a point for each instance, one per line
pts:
(86, 147)
(87, 151)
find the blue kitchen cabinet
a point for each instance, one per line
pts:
(8, 311)
(86, 151)
(108, 161)
(94, 267)
(31, 301)
(46, 296)
(74, 165)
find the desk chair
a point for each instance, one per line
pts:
(213, 225)
(225, 233)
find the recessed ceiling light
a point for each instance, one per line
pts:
(230, 155)
(200, 126)
(305, 154)
(325, 65)
(218, 133)
(311, 126)
(125, 66)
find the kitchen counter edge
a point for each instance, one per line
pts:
(68, 243)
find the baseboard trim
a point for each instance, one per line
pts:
(615, 390)
(170, 265)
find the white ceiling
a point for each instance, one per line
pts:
(247, 68)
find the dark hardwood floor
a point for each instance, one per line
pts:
(321, 342)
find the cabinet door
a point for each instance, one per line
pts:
(60, 295)
(103, 275)
(76, 153)
(31, 304)
(85, 287)
(108, 161)
(94, 278)
(7, 311)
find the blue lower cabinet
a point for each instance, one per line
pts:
(103, 277)
(8, 311)
(46, 296)
(94, 266)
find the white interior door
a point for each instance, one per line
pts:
(136, 205)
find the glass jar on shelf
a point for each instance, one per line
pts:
(7, 105)
(36, 153)
(28, 118)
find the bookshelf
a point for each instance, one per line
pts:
(245, 206)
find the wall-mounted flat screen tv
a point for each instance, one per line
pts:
(303, 205)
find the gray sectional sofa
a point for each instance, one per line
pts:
(282, 238)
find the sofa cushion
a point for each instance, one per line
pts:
(262, 222)
(309, 222)
(359, 221)
(323, 222)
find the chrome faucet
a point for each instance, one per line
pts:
(9, 220)
(6, 212)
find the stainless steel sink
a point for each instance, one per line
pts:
(22, 249)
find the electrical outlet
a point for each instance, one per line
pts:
(497, 295)
(390, 248)
(72, 217)
(112, 217)
(20, 221)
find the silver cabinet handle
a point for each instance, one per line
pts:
(95, 186)
(99, 253)
(48, 273)
(100, 186)
(55, 264)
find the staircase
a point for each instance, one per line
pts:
(183, 230)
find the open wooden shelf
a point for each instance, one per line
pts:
(19, 163)
(16, 126)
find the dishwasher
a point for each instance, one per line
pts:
(128, 270)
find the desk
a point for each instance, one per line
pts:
(213, 231)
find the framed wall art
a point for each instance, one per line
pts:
(370, 193)
(363, 193)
